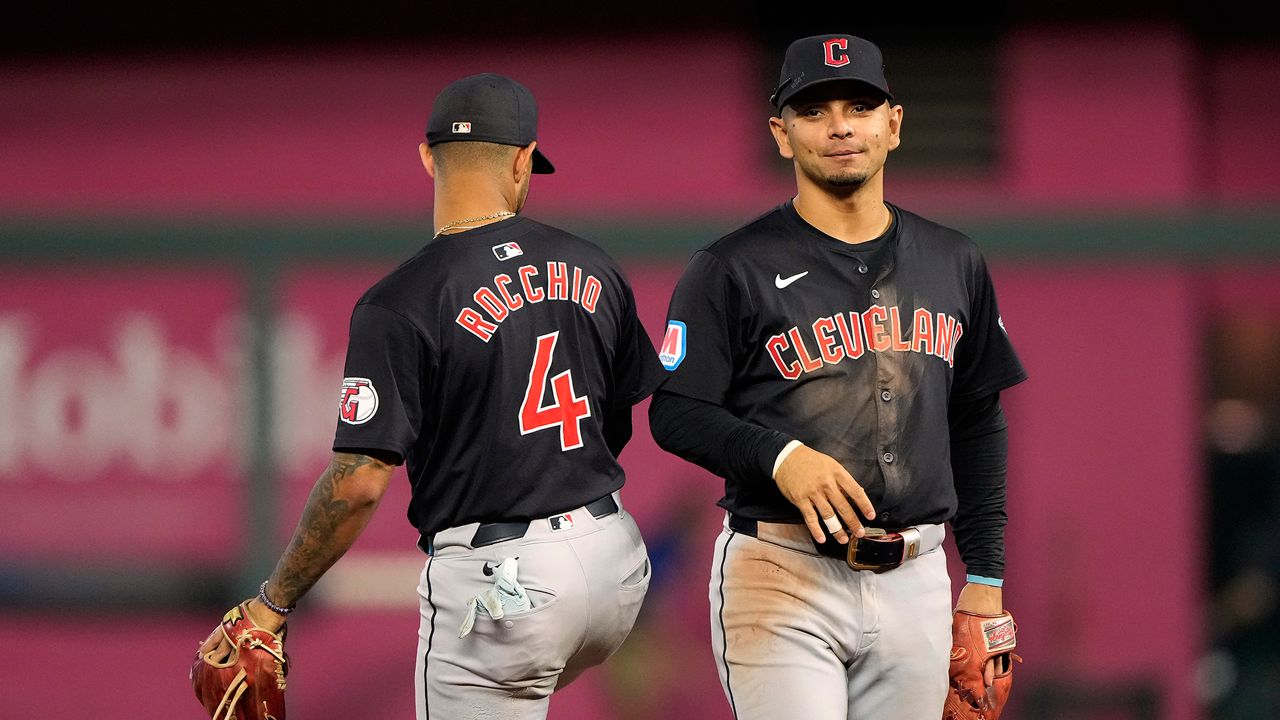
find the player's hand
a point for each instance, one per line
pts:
(986, 600)
(820, 487)
(261, 615)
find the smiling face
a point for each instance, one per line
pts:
(838, 134)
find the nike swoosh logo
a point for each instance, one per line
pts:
(782, 282)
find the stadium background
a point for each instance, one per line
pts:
(192, 198)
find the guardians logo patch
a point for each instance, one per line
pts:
(358, 401)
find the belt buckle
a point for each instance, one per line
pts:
(879, 536)
(911, 542)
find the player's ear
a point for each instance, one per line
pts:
(428, 160)
(778, 126)
(895, 126)
(522, 166)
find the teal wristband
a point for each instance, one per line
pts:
(980, 580)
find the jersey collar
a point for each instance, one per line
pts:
(889, 237)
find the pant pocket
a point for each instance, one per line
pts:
(638, 578)
(522, 651)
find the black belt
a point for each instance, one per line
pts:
(496, 532)
(883, 551)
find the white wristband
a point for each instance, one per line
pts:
(786, 450)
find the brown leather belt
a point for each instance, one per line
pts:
(877, 550)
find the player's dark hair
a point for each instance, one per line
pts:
(473, 155)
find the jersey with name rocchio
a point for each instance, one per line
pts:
(490, 362)
(856, 350)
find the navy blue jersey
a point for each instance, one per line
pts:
(856, 350)
(490, 362)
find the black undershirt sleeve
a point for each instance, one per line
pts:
(617, 429)
(711, 437)
(979, 460)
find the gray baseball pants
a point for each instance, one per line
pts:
(585, 582)
(800, 635)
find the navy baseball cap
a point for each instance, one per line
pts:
(487, 108)
(826, 58)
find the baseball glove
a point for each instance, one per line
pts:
(977, 638)
(245, 682)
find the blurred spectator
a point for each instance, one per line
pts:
(1240, 677)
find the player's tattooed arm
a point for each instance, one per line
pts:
(341, 503)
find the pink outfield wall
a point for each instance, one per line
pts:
(1242, 126)
(623, 121)
(1104, 486)
(1099, 118)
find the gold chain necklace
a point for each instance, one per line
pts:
(452, 225)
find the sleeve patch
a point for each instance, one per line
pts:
(358, 401)
(673, 345)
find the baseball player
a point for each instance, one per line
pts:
(500, 364)
(838, 361)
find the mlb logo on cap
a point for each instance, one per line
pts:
(502, 111)
(506, 251)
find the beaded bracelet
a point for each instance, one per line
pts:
(262, 598)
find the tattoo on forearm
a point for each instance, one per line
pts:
(312, 551)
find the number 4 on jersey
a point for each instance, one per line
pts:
(568, 409)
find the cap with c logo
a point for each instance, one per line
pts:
(827, 58)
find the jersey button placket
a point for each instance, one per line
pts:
(889, 367)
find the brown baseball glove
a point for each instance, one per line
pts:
(977, 638)
(238, 673)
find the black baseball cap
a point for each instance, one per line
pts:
(487, 108)
(825, 58)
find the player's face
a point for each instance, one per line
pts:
(838, 135)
